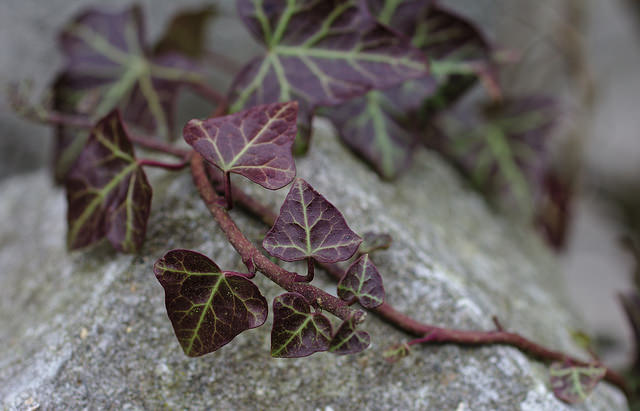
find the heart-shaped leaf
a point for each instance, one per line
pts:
(372, 241)
(348, 340)
(255, 143)
(573, 384)
(207, 308)
(107, 191)
(381, 126)
(309, 226)
(320, 53)
(185, 33)
(362, 282)
(108, 66)
(296, 331)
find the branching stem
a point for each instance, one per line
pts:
(430, 334)
(159, 164)
(249, 253)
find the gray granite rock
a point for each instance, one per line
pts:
(88, 330)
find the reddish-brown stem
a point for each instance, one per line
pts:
(310, 271)
(208, 93)
(432, 334)
(227, 190)
(159, 146)
(258, 261)
(159, 164)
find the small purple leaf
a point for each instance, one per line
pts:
(207, 307)
(107, 192)
(296, 331)
(363, 283)
(309, 226)
(348, 340)
(396, 352)
(320, 53)
(573, 384)
(185, 34)
(372, 241)
(255, 143)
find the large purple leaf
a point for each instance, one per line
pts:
(108, 66)
(320, 53)
(207, 308)
(573, 384)
(309, 226)
(362, 282)
(380, 126)
(501, 147)
(297, 332)
(107, 191)
(255, 143)
(349, 340)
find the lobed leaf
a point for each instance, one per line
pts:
(107, 191)
(319, 53)
(255, 143)
(309, 226)
(383, 127)
(348, 340)
(186, 32)
(207, 307)
(502, 148)
(108, 66)
(296, 331)
(362, 282)
(573, 384)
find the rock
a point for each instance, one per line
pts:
(88, 329)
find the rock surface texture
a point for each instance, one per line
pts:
(88, 330)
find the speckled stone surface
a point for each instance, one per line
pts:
(88, 330)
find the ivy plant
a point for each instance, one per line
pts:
(388, 73)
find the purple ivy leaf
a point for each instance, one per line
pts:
(207, 307)
(108, 66)
(297, 332)
(320, 53)
(309, 226)
(255, 143)
(348, 340)
(362, 282)
(107, 191)
(573, 384)
(502, 147)
(396, 352)
(372, 241)
(381, 126)
(185, 33)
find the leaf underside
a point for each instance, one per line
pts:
(108, 66)
(296, 331)
(348, 340)
(255, 143)
(383, 127)
(319, 53)
(573, 384)
(108, 194)
(372, 241)
(207, 308)
(309, 226)
(362, 282)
